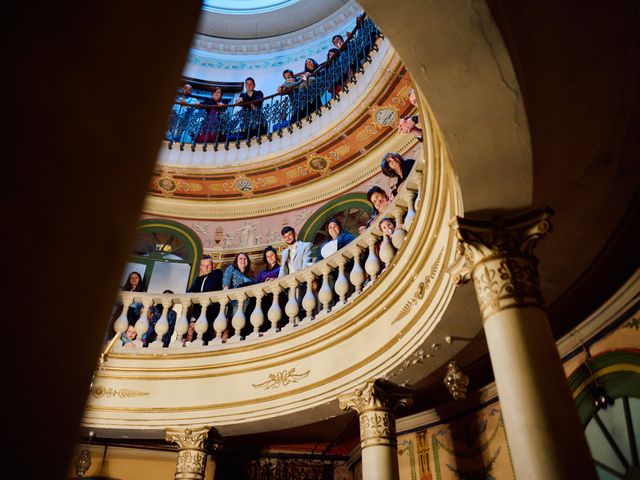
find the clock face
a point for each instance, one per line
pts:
(385, 116)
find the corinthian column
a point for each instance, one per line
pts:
(375, 403)
(192, 451)
(545, 436)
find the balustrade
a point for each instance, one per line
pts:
(341, 279)
(213, 125)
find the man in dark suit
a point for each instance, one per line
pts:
(209, 280)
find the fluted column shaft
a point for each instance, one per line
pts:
(192, 451)
(545, 436)
(375, 404)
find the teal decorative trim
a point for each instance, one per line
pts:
(618, 372)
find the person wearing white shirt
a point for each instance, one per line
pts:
(297, 255)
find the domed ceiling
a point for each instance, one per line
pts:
(256, 19)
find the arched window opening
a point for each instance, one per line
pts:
(166, 254)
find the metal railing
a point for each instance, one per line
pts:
(215, 126)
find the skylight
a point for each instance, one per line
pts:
(245, 7)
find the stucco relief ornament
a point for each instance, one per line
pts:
(243, 184)
(166, 184)
(375, 403)
(498, 256)
(317, 163)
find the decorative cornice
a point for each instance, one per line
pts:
(325, 187)
(498, 255)
(210, 42)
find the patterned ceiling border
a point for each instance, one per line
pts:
(325, 187)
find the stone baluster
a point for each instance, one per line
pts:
(292, 308)
(142, 325)
(342, 284)
(410, 197)
(182, 324)
(375, 404)
(275, 312)
(221, 323)
(372, 265)
(202, 325)
(193, 445)
(239, 319)
(400, 233)
(257, 316)
(122, 323)
(162, 325)
(309, 300)
(325, 295)
(387, 252)
(357, 275)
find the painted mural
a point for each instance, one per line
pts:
(473, 447)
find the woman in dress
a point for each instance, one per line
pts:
(211, 130)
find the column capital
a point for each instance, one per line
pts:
(498, 255)
(193, 447)
(376, 395)
(188, 438)
(375, 403)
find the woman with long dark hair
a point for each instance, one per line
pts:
(272, 265)
(134, 283)
(397, 168)
(236, 275)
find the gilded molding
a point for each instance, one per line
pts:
(420, 291)
(498, 256)
(100, 391)
(282, 379)
(375, 403)
(192, 453)
(377, 428)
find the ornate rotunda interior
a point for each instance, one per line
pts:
(493, 332)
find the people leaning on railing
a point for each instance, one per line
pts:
(253, 114)
(397, 168)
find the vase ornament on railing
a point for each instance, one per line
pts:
(193, 124)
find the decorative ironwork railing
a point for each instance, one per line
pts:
(215, 126)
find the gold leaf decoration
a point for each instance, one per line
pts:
(339, 152)
(368, 132)
(266, 181)
(282, 379)
(420, 291)
(299, 171)
(100, 391)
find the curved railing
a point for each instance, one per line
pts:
(355, 268)
(214, 126)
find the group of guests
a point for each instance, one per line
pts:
(190, 125)
(296, 256)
